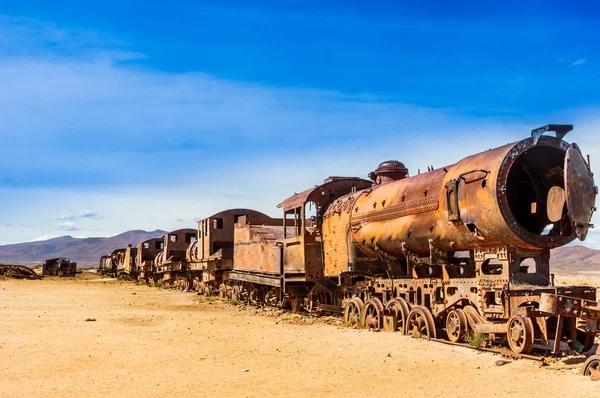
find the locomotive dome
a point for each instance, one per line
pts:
(388, 171)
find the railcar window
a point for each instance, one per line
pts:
(218, 223)
(173, 238)
(293, 218)
(237, 216)
(311, 212)
(146, 245)
(190, 237)
(159, 245)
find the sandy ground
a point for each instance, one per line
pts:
(156, 343)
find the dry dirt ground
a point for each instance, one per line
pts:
(152, 342)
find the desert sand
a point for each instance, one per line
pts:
(153, 342)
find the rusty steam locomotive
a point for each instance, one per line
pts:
(455, 250)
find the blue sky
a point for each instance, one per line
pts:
(152, 114)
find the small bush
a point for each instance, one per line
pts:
(235, 301)
(476, 339)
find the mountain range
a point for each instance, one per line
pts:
(86, 251)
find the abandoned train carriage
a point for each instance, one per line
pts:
(59, 267)
(281, 263)
(210, 257)
(104, 266)
(144, 260)
(171, 263)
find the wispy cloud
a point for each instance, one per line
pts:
(83, 213)
(580, 61)
(67, 226)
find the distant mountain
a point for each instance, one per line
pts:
(86, 251)
(574, 258)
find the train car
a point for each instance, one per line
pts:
(144, 260)
(128, 268)
(59, 267)
(117, 262)
(463, 249)
(279, 264)
(104, 266)
(171, 263)
(210, 257)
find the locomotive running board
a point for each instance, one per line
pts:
(253, 278)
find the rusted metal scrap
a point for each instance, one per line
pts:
(59, 267)
(18, 272)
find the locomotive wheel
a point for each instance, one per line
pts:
(420, 323)
(592, 366)
(352, 312)
(520, 334)
(400, 307)
(371, 314)
(271, 298)
(245, 293)
(456, 325)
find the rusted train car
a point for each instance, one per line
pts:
(171, 264)
(210, 256)
(104, 266)
(144, 261)
(59, 267)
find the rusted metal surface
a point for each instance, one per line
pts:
(59, 267)
(18, 272)
(144, 260)
(173, 255)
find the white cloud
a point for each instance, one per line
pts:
(578, 62)
(67, 226)
(83, 213)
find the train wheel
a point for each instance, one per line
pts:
(420, 323)
(456, 325)
(245, 293)
(371, 314)
(352, 312)
(592, 367)
(271, 298)
(400, 307)
(520, 334)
